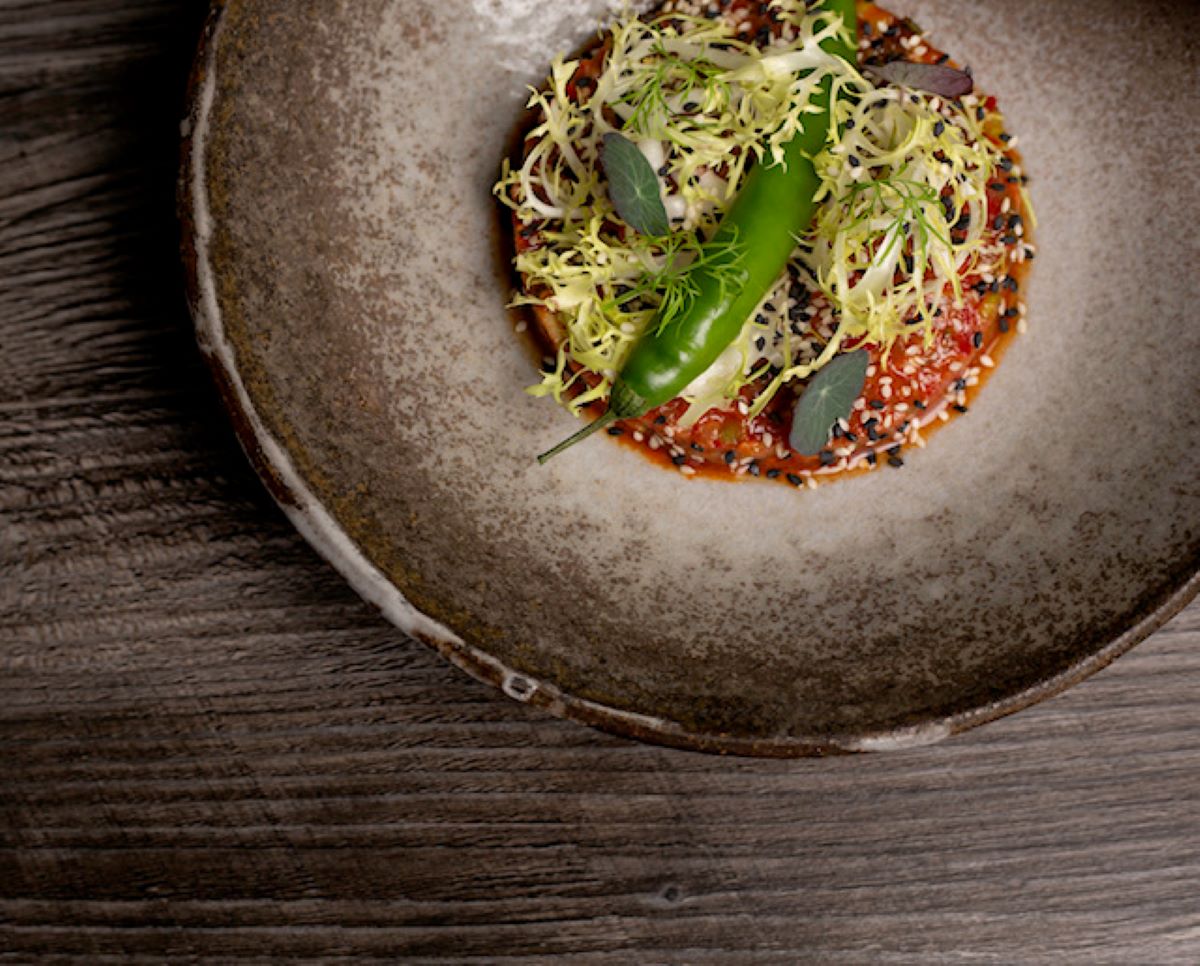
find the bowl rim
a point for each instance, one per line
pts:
(283, 481)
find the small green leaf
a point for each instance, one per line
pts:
(633, 186)
(830, 396)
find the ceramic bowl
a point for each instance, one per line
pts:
(347, 288)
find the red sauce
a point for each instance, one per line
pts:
(920, 387)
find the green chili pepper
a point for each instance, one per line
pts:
(775, 205)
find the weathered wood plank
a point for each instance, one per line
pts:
(210, 748)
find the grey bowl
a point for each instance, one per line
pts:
(345, 284)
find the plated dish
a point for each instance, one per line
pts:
(341, 237)
(807, 284)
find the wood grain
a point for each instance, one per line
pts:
(211, 750)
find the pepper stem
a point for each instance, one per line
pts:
(607, 419)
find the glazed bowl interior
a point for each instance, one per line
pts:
(348, 288)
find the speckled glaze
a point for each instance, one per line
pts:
(346, 286)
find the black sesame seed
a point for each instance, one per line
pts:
(754, 468)
(919, 404)
(679, 460)
(1006, 164)
(1011, 283)
(854, 162)
(980, 113)
(872, 458)
(942, 58)
(659, 420)
(615, 431)
(1004, 326)
(939, 129)
(1012, 312)
(795, 480)
(977, 340)
(895, 461)
(876, 404)
(697, 447)
(773, 474)
(851, 437)
(959, 408)
(1009, 239)
(730, 456)
(827, 458)
(998, 222)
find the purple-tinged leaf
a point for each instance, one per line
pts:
(931, 78)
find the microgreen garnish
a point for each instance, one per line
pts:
(931, 78)
(633, 186)
(720, 261)
(829, 397)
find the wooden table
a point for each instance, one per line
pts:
(210, 748)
